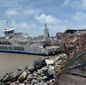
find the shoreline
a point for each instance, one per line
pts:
(39, 72)
(11, 62)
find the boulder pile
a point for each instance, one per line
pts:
(40, 73)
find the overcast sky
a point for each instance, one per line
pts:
(29, 16)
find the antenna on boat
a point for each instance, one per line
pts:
(7, 24)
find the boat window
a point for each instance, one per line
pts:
(19, 48)
(5, 43)
(10, 48)
(22, 43)
(3, 48)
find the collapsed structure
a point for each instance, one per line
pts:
(74, 45)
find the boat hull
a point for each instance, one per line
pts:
(19, 52)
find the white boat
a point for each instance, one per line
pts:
(21, 43)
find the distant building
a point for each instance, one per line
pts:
(46, 32)
(76, 31)
(38, 39)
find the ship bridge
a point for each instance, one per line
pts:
(9, 32)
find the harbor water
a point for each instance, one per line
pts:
(10, 62)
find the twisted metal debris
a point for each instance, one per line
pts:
(77, 55)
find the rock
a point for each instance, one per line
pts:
(31, 69)
(13, 83)
(21, 84)
(38, 64)
(7, 83)
(51, 82)
(23, 76)
(12, 77)
(18, 73)
(19, 69)
(39, 72)
(49, 61)
(41, 83)
(34, 81)
(44, 77)
(5, 78)
(26, 82)
(29, 76)
(17, 82)
(51, 70)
